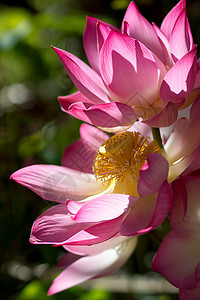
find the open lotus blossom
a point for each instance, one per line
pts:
(142, 71)
(109, 190)
(178, 257)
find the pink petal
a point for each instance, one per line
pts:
(151, 178)
(181, 41)
(112, 117)
(185, 210)
(166, 117)
(92, 136)
(148, 213)
(66, 101)
(85, 79)
(91, 42)
(180, 79)
(80, 155)
(104, 208)
(170, 19)
(183, 128)
(97, 233)
(107, 262)
(165, 46)
(54, 226)
(129, 69)
(178, 266)
(96, 248)
(57, 183)
(142, 30)
(144, 129)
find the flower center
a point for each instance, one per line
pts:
(120, 159)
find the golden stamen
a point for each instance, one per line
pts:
(122, 156)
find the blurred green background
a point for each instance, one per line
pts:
(33, 129)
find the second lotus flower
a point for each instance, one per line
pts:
(141, 71)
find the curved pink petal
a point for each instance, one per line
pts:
(193, 162)
(104, 263)
(148, 213)
(113, 117)
(91, 42)
(153, 176)
(180, 79)
(142, 30)
(144, 129)
(129, 69)
(166, 117)
(92, 136)
(54, 226)
(80, 155)
(94, 249)
(104, 208)
(66, 101)
(181, 41)
(87, 81)
(177, 258)
(165, 46)
(189, 294)
(56, 183)
(170, 19)
(97, 233)
(177, 146)
(185, 211)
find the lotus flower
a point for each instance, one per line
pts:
(122, 192)
(142, 71)
(178, 258)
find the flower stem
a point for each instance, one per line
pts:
(157, 136)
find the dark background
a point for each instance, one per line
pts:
(33, 130)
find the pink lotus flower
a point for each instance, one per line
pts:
(100, 221)
(140, 71)
(178, 258)
(116, 203)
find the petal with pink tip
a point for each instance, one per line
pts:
(142, 30)
(148, 213)
(54, 226)
(85, 79)
(91, 42)
(57, 183)
(151, 178)
(181, 40)
(178, 266)
(66, 101)
(170, 19)
(166, 117)
(111, 117)
(180, 79)
(104, 263)
(104, 208)
(128, 69)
